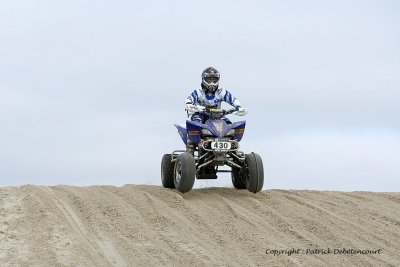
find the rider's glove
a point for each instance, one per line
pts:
(193, 108)
(200, 108)
(241, 111)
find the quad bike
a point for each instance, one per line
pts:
(209, 146)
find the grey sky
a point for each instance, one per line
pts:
(89, 90)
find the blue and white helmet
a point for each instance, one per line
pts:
(210, 79)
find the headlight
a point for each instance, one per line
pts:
(231, 132)
(206, 132)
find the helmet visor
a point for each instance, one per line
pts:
(211, 80)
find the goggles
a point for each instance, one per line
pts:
(213, 80)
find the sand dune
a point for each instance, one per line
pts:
(153, 226)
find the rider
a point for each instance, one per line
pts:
(209, 96)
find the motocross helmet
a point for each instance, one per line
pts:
(210, 79)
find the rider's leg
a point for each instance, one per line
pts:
(190, 147)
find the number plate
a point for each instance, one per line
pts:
(220, 146)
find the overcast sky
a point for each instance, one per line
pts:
(89, 90)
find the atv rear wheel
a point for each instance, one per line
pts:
(167, 171)
(238, 180)
(255, 172)
(184, 172)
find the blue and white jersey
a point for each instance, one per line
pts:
(199, 97)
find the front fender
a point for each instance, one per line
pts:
(194, 131)
(239, 129)
(182, 132)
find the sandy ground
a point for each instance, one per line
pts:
(152, 226)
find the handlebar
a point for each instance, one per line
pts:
(223, 112)
(215, 112)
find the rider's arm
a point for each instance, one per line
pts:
(190, 102)
(230, 99)
(192, 98)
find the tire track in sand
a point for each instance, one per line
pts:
(103, 246)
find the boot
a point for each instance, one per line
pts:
(190, 147)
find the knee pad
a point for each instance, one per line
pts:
(197, 118)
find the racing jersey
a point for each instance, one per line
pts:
(199, 97)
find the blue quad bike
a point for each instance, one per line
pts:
(210, 146)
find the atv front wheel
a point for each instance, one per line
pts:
(255, 172)
(184, 172)
(238, 180)
(167, 171)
